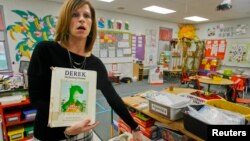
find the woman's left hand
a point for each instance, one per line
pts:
(137, 135)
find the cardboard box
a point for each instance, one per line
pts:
(143, 120)
(150, 132)
(123, 126)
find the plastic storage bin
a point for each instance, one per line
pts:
(226, 105)
(13, 117)
(28, 130)
(195, 126)
(29, 114)
(168, 105)
(16, 133)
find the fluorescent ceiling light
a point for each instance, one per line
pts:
(196, 19)
(158, 9)
(106, 0)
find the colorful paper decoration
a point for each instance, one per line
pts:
(215, 48)
(110, 23)
(126, 25)
(101, 23)
(119, 24)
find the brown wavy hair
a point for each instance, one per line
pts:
(62, 28)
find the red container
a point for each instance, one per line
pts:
(13, 117)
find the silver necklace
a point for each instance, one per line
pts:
(74, 64)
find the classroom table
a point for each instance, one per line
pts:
(178, 90)
(132, 101)
(210, 81)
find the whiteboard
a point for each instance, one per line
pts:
(237, 53)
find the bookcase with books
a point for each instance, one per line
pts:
(17, 119)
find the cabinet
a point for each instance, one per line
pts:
(138, 71)
(12, 116)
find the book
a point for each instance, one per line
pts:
(73, 96)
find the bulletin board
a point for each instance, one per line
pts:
(215, 49)
(238, 53)
(138, 46)
(113, 46)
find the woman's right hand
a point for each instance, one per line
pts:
(80, 127)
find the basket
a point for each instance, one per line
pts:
(217, 78)
(226, 105)
(195, 100)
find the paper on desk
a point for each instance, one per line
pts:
(170, 99)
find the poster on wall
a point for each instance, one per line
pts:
(138, 46)
(165, 34)
(1, 21)
(238, 53)
(215, 49)
(155, 75)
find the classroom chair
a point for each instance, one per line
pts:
(184, 78)
(195, 84)
(239, 84)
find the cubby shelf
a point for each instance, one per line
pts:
(17, 107)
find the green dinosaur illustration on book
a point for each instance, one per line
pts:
(74, 104)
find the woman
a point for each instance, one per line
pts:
(75, 36)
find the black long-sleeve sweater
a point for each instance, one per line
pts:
(50, 53)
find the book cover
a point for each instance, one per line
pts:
(73, 96)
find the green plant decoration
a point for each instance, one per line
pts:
(32, 30)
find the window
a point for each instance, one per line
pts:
(4, 52)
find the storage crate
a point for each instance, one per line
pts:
(168, 105)
(195, 126)
(28, 130)
(150, 132)
(13, 117)
(29, 114)
(16, 133)
(194, 99)
(143, 120)
(226, 105)
(169, 112)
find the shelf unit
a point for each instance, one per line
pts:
(17, 107)
(138, 71)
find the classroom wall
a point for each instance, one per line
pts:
(40, 8)
(235, 37)
(137, 25)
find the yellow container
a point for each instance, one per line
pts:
(217, 78)
(16, 133)
(226, 105)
